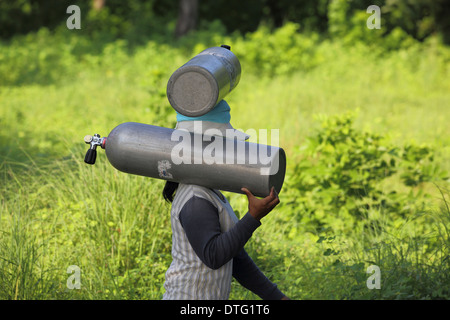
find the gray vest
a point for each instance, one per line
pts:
(188, 278)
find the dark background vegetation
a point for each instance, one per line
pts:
(418, 18)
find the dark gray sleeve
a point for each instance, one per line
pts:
(200, 221)
(249, 276)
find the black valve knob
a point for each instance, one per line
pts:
(90, 157)
(94, 142)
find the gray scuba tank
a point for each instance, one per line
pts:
(196, 87)
(177, 155)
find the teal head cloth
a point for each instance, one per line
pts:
(220, 114)
(218, 118)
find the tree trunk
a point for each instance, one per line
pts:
(187, 17)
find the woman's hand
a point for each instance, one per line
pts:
(259, 208)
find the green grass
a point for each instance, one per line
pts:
(56, 211)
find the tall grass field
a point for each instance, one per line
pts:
(366, 131)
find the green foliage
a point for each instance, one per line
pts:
(338, 16)
(280, 52)
(402, 22)
(23, 16)
(356, 188)
(77, 216)
(137, 20)
(344, 174)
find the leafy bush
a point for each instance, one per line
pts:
(263, 52)
(275, 53)
(344, 175)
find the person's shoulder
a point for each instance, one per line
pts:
(200, 204)
(195, 198)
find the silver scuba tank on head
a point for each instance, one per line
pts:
(196, 87)
(215, 162)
